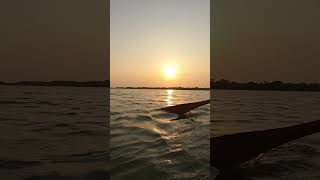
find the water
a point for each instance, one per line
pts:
(150, 144)
(63, 132)
(241, 111)
(53, 133)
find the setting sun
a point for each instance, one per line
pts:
(170, 72)
(155, 53)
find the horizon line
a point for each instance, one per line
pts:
(262, 81)
(157, 87)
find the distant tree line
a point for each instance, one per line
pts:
(61, 83)
(170, 88)
(274, 85)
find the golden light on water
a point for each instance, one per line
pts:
(170, 92)
(169, 162)
(169, 98)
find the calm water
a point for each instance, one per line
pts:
(240, 111)
(150, 144)
(59, 131)
(53, 132)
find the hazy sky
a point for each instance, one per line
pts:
(53, 40)
(148, 35)
(266, 40)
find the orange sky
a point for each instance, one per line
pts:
(148, 36)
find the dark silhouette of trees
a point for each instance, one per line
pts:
(61, 83)
(274, 85)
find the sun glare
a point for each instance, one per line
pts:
(170, 72)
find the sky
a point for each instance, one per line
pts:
(54, 40)
(266, 40)
(151, 37)
(251, 41)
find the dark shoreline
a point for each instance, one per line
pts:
(264, 86)
(60, 83)
(214, 85)
(162, 88)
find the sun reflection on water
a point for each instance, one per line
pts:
(169, 162)
(169, 98)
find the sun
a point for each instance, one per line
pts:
(170, 71)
